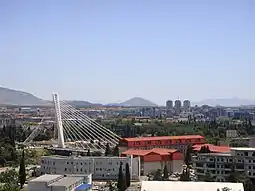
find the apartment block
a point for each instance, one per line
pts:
(220, 165)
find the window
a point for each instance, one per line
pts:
(246, 154)
(65, 169)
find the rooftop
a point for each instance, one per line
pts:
(67, 181)
(163, 138)
(213, 148)
(243, 149)
(46, 178)
(183, 186)
(81, 157)
(159, 151)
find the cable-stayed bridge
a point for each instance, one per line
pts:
(75, 130)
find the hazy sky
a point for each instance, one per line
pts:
(109, 51)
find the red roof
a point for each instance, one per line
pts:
(163, 138)
(213, 148)
(159, 151)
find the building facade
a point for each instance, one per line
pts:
(220, 165)
(177, 106)
(186, 105)
(101, 168)
(169, 142)
(157, 158)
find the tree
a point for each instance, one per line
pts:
(107, 150)
(22, 171)
(127, 177)
(116, 150)
(121, 180)
(165, 173)
(188, 153)
(157, 175)
(88, 152)
(185, 176)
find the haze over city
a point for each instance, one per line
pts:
(110, 51)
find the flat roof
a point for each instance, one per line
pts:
(46, 178)
(82, 157)
(243, 149)
(215, 154)
(66, 181)
(184, 186)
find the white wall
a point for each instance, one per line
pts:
(100, 167)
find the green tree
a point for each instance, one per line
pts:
(116, 150)
(165, 173)
(188, 153)
(127, 176)
(22, 171)
(157, 175)
(88, 152)
(121, 181)
(107, 150)
(185, 176)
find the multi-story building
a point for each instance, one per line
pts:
(172, 142)
(220, 165)
(100, 167)
(169, 104)
(177, 106)
(186, 105)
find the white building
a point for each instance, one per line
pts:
(220, 164)
(192, 186)
(99, 167)
(49, 182)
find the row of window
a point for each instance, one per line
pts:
(178, 141)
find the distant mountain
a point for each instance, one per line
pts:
(15, 97)
(226, 102)
(138, 102)
(77, 103)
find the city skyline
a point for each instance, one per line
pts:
(112, 51)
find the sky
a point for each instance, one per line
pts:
(109, 50)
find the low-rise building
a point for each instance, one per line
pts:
(157, 158)
(101, 168)
(49, 182)
(219, 165)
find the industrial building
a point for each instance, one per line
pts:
(50, 182)
(101, 168)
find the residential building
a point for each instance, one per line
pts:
(184, 186)
(169, 104)
(171, 142)
(186, 105)
(50, 182)
(220, 165)
(177, 106)
(157, 158)
(100, 167)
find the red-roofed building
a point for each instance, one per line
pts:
(213, 148)
(171, 142)
(157, 158)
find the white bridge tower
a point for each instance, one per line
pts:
(61, 141)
